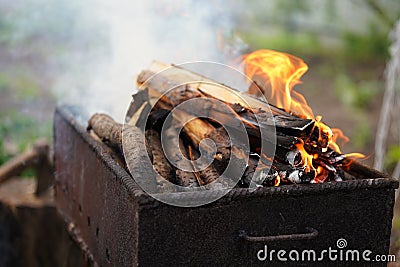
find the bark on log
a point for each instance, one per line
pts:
(109, 131)
(164, 170)
(137, 159)
(182, 80)
(175, 150)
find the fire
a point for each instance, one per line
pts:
(322, 175)
(275, 74)
(277, 181)
(337, 137)
(279, 72)
(352, 157)
(307, 158)
(324, 130)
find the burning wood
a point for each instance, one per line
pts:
(287, 143)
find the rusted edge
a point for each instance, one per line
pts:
(284, 191)
(77, 237)
(99, 148)
(145, 201)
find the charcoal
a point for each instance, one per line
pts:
(258, 173)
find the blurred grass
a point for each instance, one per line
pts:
(304, 43)
(362, 135)
(358, 94)
(354, 47)
(20, 131)
(360, 47)
(38, 38)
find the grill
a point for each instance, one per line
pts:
(117, 224)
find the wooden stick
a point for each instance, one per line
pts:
(107, 129)
(110, 132)
(164, 170)
(137, 159)
(160, 162)
(175, 149)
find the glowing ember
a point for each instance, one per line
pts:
(307, 158)
(322, 175)
(277, 181)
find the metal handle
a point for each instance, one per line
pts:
(311, 234)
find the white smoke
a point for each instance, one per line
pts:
(134, 34)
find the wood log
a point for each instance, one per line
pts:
(164, 170)
(234, 115)
(160, 162)
(265, 123)
(169, 77)
(209, 176)
(175, 150)
(186, 81)
(198, 129)
(137, 159)
(109, 131)
(138, 99)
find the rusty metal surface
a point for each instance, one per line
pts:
(91, 196)
(210, 235)
(119, 225)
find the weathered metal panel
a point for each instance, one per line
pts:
(89, 193)
(118, 225)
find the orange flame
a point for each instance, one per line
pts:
(322, 175)
(324, 130)
(277, 181)
(338, 136)
(279, 72)
(352, 157)
(307, 158)
(275, 74)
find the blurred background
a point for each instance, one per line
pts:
(54, 52)
(66, 51)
